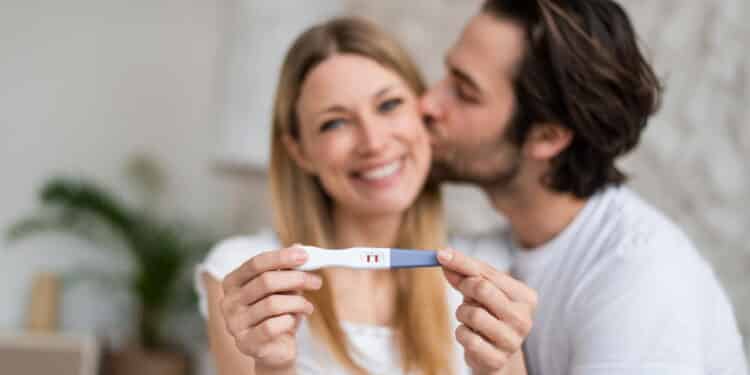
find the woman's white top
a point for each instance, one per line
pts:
(374, 349)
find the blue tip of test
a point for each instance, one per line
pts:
(403, 258)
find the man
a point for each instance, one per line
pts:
(540, 99)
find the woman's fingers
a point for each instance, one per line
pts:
(499, 333)
(260, 340)
(247, 317)
(457, 265)
(287, 258)
(277, 304)
(271, 328)
(496, 314)
(497, 303)
(269, 283)
(273, 282)
(514, 289)
(263, 304)
(480, 354)
(279, 353)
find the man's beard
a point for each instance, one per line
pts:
(493, 165)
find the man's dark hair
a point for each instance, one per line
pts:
(582, 68)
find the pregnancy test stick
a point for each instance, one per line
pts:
(370, 258)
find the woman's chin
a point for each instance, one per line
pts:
(380, 212)
(396, 204)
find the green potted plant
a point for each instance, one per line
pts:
(162, 252)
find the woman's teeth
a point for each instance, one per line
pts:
(382, 172)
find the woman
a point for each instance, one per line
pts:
(350, 157)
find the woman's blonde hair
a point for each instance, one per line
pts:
(303, 211)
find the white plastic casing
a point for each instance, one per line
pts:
(356, 257)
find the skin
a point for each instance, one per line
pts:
(356, 116)
(473, 106)
(471, 110)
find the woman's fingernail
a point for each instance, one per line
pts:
(445, 255)
(315, 281)
(300, 256)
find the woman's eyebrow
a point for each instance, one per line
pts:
(340, 108)
(333, 108)
(384, 90)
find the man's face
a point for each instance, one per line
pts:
(472, 108)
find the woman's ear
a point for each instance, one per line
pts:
(546, 141)
(294, 149)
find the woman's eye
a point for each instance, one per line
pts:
(389, 105)
(332, 124)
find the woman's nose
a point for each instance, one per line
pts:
(373, 137)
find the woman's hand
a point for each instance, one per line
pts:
(496, 313)
(263, 306)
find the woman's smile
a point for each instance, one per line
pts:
(382, 175)
(362, 135)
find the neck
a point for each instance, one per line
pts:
(536, 214)
(352, 230)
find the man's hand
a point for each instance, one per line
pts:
(496, 313)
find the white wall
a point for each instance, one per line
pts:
(259, 34)
(84, 84)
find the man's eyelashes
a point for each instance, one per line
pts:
(462, 94)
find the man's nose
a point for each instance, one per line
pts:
(430, 106)
(431, 110)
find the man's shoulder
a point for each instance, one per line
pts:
(638, 229)
(636, 275)
(637, 247)
(631, 244)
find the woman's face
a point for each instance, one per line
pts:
(361, 133)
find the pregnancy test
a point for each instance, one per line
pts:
(370, 258)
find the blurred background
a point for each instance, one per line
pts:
(133, 134)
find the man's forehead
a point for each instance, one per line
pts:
(488, 44)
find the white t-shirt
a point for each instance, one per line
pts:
(623, 291)
(373, 343)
